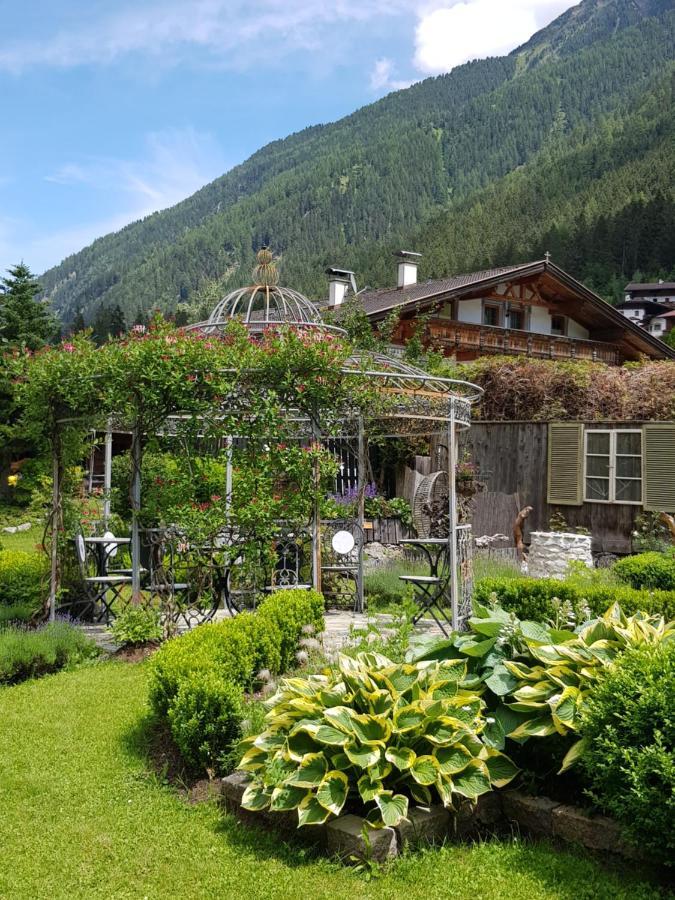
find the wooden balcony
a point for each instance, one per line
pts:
(467, 341)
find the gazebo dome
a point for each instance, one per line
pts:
(264, 304)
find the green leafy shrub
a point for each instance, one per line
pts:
(628, 726)
(23, 578)
(29, 654)
(535, 598)
(205, 719)
(373, 736)
(16, 613)
(220, 657)
(648, 570)
(135, 625)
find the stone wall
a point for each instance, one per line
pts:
(551, 551)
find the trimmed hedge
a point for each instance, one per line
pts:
(532, 598)
(29, 654)
(628, 725)
(23, 578)
(198, 678)
(648, 570)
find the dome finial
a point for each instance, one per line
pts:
(265, 273)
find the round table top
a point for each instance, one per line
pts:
(107, 540)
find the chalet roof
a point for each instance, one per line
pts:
(650, 286)
(377, 304)
(664, 315)
(642, 303)
(385, 299)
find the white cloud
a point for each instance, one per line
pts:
(381, 77)
(173, 166)
(234, 32)
(450, 34)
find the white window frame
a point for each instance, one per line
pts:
(612, 432)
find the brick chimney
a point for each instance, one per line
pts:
(339, 281)
(407, 267)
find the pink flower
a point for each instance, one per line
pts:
(69, 348)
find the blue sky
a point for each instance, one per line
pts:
(112, 109)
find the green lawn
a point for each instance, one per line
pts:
(23, 540)
(80, 816)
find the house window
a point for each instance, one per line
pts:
(613, 466)
(559, 325)
(518, 318)
(492, 314)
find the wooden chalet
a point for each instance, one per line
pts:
(535, 309)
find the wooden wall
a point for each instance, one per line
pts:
(512, 458)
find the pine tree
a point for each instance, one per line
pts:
(78, 323)
(118, 324)
(24, 321)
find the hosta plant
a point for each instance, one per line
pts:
(538, 678)
(372, 736)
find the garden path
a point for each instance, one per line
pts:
(339, 625)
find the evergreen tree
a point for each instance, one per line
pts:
(118, 326)
(24, 320)
(78, 323)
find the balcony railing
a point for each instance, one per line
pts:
(485, 339)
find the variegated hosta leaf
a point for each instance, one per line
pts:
(326, 734)
(332, 792)
(542, 726)
(340, 717)
(252, 760)
(300, 744)
(393, 807)
(445, 787)
(286, 797)
(371, 729)
(420, 793)
(573, 755)
(310, 772)
(408, 718)
(401, 757)
(473, 781)
(311, 812)
(452, 759)
(425, 769)
(362, 757)
(256, 797)
(368, 788)
(500, 768)
(268, 741)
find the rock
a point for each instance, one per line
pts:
(25, 527)
(232, 790)
(10, 529)
(551, 551)
(489, 808)
(533, 814)
(344, 838)
(596, 833)
(376, 555)
(424, 825)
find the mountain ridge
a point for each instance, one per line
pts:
(346, 192)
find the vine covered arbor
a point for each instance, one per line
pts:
(228, 425)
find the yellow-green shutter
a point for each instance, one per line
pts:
(658, 467)
(565, 464)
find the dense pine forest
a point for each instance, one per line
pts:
(565, 145)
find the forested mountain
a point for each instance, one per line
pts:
(566, 144)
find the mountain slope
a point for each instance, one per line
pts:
(346, 192)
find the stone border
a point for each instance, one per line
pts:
(344, 836)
